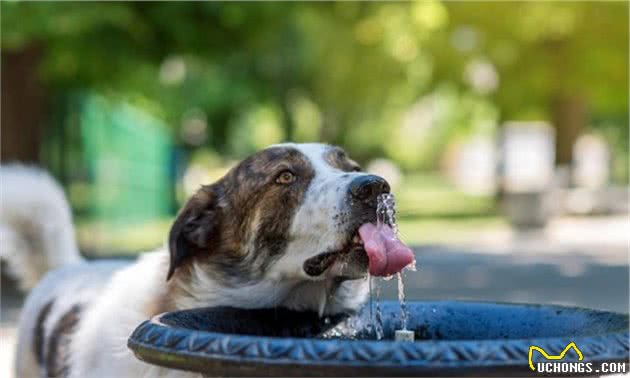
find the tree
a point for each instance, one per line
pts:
(354, 69)
(566, 62)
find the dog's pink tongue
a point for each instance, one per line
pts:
(387, 254)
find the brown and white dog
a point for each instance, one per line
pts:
(280, 229)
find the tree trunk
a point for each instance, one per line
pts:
(22, 105)
(569, 118)
(329, 130)
(287, 119)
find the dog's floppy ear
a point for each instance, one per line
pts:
(194, 227)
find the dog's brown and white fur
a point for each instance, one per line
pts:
(277, 230)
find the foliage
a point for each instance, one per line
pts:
(345, 72)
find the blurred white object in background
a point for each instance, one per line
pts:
(472, 166)
(194, 127)
(528, 156)
(464, 38)
(590, 192)
(481, 75)
(195, 176)
(172, 70)
(386, 169)
(591, 162)
(528, 171)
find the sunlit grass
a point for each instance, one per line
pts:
(430, 210)
(99, 239)
(103, 239)
(431, 195)
(444, 231)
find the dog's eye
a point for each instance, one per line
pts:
(356, 168)
(285, 178)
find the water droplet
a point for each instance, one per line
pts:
(412, 266)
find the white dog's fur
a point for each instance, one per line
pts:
(114, 298)
(36, 232)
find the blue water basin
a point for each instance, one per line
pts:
(452, 338)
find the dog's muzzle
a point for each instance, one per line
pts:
(351, 261)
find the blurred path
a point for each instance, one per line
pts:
(574, 261)
(574, 280)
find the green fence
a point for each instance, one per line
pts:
(128, 155)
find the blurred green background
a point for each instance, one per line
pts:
(133, 105)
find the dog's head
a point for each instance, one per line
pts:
(287, 215)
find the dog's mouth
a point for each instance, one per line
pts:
(352, 258)
(369, 248)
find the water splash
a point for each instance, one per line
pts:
(401, 300)
(371, 301)
(386, 212)
(386, 215)
(378, 319)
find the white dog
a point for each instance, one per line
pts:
(291, 226)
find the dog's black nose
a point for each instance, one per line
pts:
(366, 188)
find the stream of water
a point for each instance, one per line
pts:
(386, 215)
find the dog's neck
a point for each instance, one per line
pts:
(194, 287)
